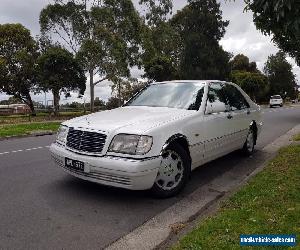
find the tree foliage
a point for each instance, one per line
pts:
(59, 72)
(249, 78)
(161, 55)
(187, 45)
(156, 11)
(104, 35)
(280, 18)
(201, 27)
(124, 89)
(254, 84)
(280, 75)
(112, 103)
(18, 53)
(242, 63)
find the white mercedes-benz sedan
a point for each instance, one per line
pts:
(159, 136)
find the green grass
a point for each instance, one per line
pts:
(296, 137)
(40, 117)
(268, 204)
(25, 129)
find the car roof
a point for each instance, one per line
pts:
(188, 81)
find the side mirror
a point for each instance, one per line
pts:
(215, 107)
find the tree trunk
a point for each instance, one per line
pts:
(29, 102)
(119, 94)
(56, 99)
(91, 72)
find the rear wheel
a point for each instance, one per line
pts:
(249, 144)
(173, 172)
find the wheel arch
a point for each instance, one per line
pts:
(253, 125)
(181, 140)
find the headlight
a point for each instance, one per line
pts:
(131, 144)
(62, 134)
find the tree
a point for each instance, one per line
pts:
(123, 90)
(280, 75)
(59, 72)
(18, 53)
(112, 103)
(254, 84)
(99, 102)
(249, 78)
(201, 27)
(104, 35)
(242, 63)
(160, 68)
(161, 52)
(156, 11)
(281, 19)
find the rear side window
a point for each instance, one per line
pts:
(235, 98)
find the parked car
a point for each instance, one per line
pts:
(276, 100)
(159, 136)
(295, 100)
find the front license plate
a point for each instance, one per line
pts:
(74, 164)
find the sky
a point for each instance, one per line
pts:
(241, 36)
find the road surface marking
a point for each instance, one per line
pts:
(22, 150)
(4, 153)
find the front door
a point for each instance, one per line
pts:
(217, 126)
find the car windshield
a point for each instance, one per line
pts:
(181, 95)
(276, 97)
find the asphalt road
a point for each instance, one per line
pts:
(41, 207)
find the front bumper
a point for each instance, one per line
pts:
(112, 171)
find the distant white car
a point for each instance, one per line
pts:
(295, 100)
(276, 100)
(159, 136)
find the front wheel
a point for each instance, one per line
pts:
(173, 172)
(249, 144)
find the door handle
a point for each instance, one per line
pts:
(229, 116)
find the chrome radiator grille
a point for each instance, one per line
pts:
(85, 141)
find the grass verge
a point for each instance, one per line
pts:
(40, 117)
(268, 204)
(25, 129)
(296, 137)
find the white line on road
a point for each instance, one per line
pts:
(22, 150)
(4, 153)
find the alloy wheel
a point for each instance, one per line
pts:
(171, 171)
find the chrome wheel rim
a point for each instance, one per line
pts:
(250, 141)
(170, 172)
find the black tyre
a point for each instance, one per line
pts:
(249, 144)
(173, 173)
